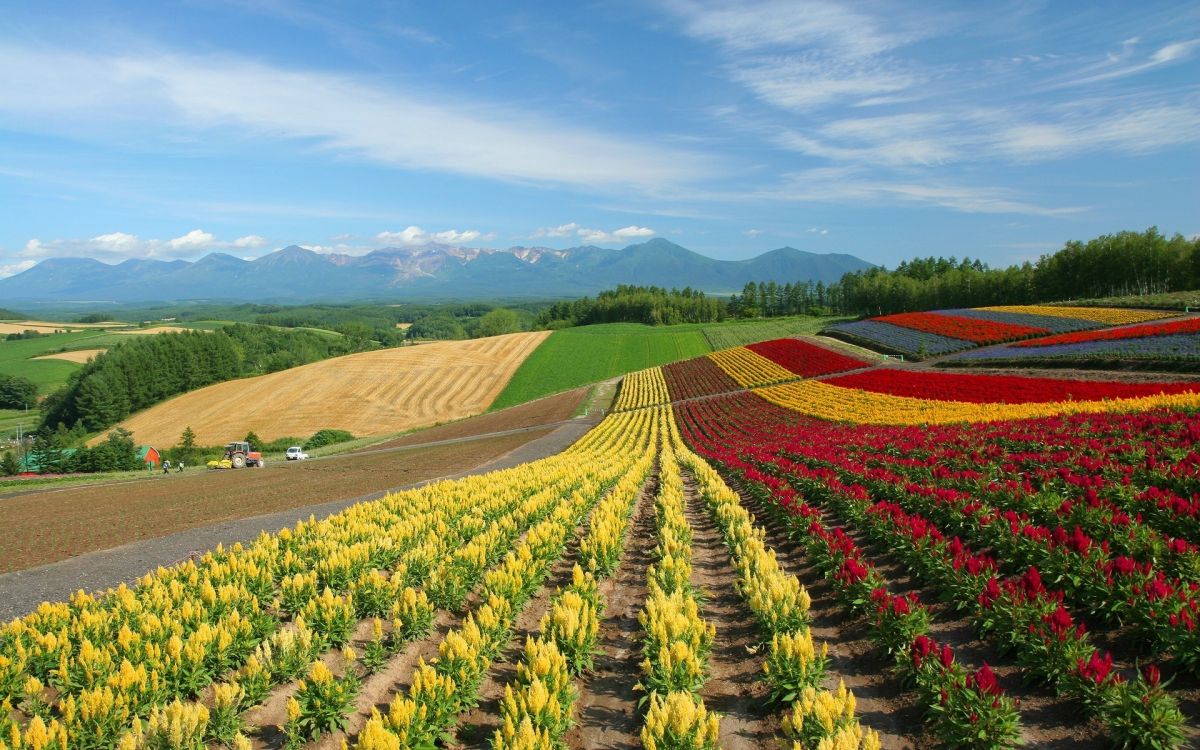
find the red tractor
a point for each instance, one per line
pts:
(240, 456)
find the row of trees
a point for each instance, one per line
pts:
(141, 372)
(635, 304)
(1126, 263)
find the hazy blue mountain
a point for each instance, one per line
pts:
(295, 274)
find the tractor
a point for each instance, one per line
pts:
(238, 455)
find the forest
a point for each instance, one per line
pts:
(1125, 263)
(651, 305)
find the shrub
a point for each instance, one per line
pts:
(327, 437)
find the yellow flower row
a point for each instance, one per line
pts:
(117, 655)
(612, 455)
(794, 666)
(824, 401)
(1113, 316)
(677, 640)
(750, 369)
(641, 389)
(537, 708)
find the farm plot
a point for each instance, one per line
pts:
(1089, 594)
(78, 356)
(925, 334)
(368, 394)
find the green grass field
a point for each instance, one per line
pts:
(740, 333)
(49, 374)
(573, 357)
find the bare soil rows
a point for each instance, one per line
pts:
(607, 711)
(372, 393)
(734, 689)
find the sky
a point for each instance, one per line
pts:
(886, 130)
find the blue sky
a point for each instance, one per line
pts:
(886, 130)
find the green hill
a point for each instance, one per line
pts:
(573, 357)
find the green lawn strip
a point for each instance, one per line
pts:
(572, 357)
(740, 333)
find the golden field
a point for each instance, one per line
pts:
(79, 355)
(373, 393)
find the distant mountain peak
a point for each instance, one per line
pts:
(296, 274)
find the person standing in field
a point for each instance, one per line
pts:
(166, 465)
(179, 468)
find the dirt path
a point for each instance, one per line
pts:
(606, 712)
(734, 689)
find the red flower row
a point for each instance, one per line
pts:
(805, 359)
(1145, 330)
(697, 377)
(959, 327)
(998, 389)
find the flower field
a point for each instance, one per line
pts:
(989, 542)
(925, 334)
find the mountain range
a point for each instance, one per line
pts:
(295, 274)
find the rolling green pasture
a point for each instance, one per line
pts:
(572, 357)
(49, 374)
(740, 333)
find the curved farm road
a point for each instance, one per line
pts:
(95, 537)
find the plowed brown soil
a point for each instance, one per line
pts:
(57, 524)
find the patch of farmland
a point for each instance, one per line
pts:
(155, 329)
(729, 335)
(572, 357)
(79, 356)
(371, 393)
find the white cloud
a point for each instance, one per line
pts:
(250, 241)
(594, 236)
(801, 82)
(742, 26)
(116, 242)
(197, 239)
(818, 230)
(118, 246)
(410, 129)
(562, 230)
(415, 235)
(12, 269)
(753, 233)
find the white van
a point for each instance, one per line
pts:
(295, 453)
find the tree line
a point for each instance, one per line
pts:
(1125, 263)
(651, 305)
(145, 370)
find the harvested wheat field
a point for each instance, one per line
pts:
(79, 355)
(156, 329)
(43, 326)
(372, 393)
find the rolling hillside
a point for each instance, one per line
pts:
(372, 393)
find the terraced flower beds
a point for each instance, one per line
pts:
(1148, 330)
(893, 339)
(925, 334)
(805, 359)
(1181, 352)
(998, 389)
(975, 330)
(1065, 566)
